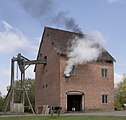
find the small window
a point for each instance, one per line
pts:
(44, 68)
(104, 98)
(73, 72)
(104, 72)
(40, 55)
(45, 65)
(45, 57)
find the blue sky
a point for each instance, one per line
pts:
(22, 23)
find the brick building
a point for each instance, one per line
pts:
(90, 87)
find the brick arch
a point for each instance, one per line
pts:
(75, 93)
(75, 101)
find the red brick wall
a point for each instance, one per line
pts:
(47, 83)
(89, 81)
(51, 86)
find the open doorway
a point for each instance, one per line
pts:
(74, 102)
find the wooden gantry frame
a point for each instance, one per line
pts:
(23, 64)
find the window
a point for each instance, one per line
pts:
(45, 65)
(40, 55)
(45, 57)
(44, 68)
(73, 72)
(104, 72)
(104, 98)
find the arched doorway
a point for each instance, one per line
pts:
(75, 101)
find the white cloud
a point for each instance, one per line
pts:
(117, 78)
(6, 25)
(113, 1)
(12, 39)
(4, 80)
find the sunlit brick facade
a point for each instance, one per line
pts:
(91, 88)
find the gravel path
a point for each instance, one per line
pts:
(113, 113)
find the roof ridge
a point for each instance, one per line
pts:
(63, 30)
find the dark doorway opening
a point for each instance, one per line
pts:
(74, 102)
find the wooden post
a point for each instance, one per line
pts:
(29, 102)
(59, 111)
(12, 86)
(52, 110)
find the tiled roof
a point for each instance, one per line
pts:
(62, 41)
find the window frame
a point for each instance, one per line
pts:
(45, 65)
(104, 72)
(104, 98)
(73, 71)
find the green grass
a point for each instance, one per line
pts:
(64, 118)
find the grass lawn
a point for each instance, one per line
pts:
(64, 118)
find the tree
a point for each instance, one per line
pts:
(120, 95)
(1, 102)
(29, 85)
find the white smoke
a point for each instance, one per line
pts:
(84, 50)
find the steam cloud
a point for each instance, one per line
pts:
(84, 50)
(46, 10)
